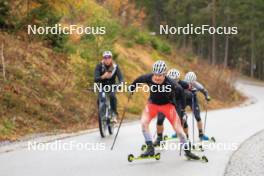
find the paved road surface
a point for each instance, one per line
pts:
(228, 126)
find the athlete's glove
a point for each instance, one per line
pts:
(184, 117)
(208, 98)
(182, 113)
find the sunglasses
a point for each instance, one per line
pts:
(107, 57)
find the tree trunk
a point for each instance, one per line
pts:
(252, 58)
(3, 62)
(226, 51)
(214, 35)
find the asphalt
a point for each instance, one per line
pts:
(230, 127)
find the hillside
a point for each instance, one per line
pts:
(45, 86)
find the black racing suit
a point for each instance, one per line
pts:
(180, 105)
(192, 100)
(166, 96)
(161, 97)
(99, 71)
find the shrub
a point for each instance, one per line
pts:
(129, 44)
(154, 43)
(130, 32)
(164, 48)
(141, 39)
(45, 16)
(4, 13)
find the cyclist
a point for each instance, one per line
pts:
(161, 99)
(105, 73)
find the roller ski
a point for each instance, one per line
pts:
(204, 138)
(191, 156)
(149, 153)
(174, 137)
(158, 143)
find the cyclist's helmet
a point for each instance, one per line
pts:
(107, 54)
(159, 67)
(190, 77)
(174, 74)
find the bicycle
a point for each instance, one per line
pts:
(105, 115)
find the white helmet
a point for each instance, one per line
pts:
(173, 74)
(159, 67)
(107, 54)
(190, 77)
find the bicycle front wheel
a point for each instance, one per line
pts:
(102, 120)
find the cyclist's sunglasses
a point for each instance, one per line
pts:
(107, 57)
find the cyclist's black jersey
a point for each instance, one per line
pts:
(169, 90)
(101, 69)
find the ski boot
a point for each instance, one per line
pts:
(174, 135)
(150, 151)
(203, 137)
(191, 156)
(157, 142)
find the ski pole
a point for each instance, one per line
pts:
(193, 115)
(206, 107)
(122, 118)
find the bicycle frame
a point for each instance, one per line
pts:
(106, 101)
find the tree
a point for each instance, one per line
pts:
(4, 13)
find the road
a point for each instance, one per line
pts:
(228, 126)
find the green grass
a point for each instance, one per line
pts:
(6, 127)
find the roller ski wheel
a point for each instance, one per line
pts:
(143, 147)
(212, 139)
(131, 157)
(201, 148)
(194, 148)
(191, 156)
(172, 137)
(197, 149)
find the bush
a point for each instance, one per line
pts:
(86, 54)
(141, 39)
(4, 13)
(130, 32)
(58, 41)
(6, 127)
(70, 48)
(154, 43)
(160, 45)
(164, 48)
(88, 38)
(45, 16)
(129, 44)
